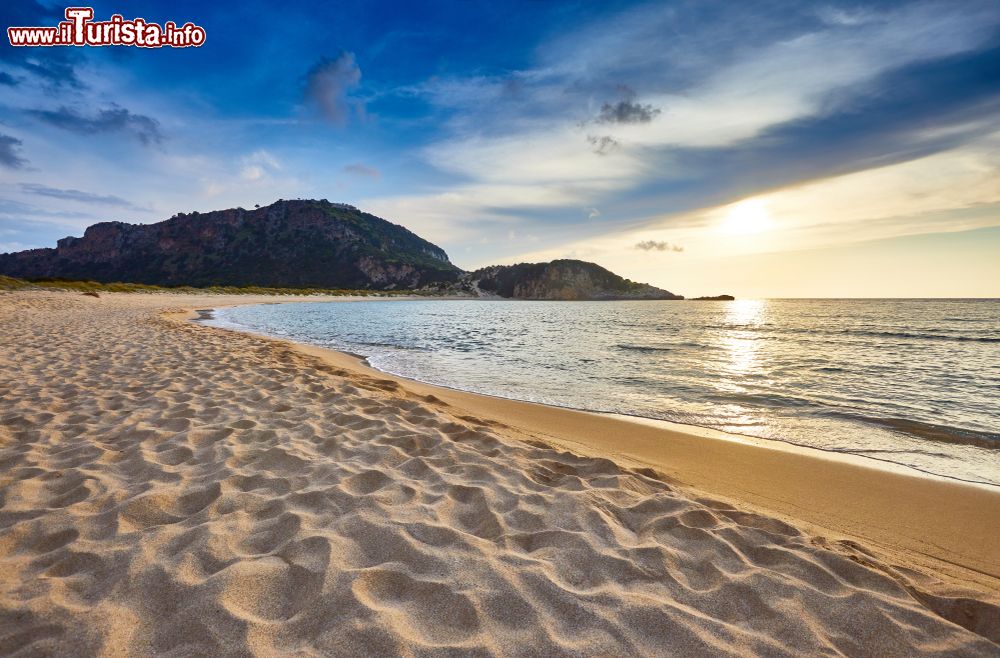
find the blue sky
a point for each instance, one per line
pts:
(707, 132)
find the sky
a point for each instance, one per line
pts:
(758, 148)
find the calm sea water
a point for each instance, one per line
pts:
(916, 382)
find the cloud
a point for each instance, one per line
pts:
(593, 213)
(602, 145)
(7, 79)
(844, 17)
(328, 85)
(627, 111)
(9, 156)
(654, 245)
(79, 196)
(15, 210)
(113, 119)
(358, 169)
(257, 165)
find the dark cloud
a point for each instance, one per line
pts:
(9, 152)
(78, 196)
(115, 119)
(362, 170)
(653, 245)
(602, 145)
(328, 85)
(627, 111)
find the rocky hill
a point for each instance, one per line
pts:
(559, 280)
(302, 244)
(297, 244)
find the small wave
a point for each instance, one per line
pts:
(643, 348)
(916, 336)
(763, 399)
(770, 331)
(393, 346)
(931, 432)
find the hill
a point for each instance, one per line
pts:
(560, 280)
(297, 244)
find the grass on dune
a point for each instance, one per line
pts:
(10, 283)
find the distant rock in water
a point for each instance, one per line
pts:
(291, 244)
(716, 298)
(559, 280)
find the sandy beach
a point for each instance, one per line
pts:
(173, 489)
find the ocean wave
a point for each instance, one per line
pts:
(394, 346)
(632, 347)
(645, 348)
(918, 336)
(765, 330)
(932, 432)
(763, 399)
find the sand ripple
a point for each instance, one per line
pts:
(177, 490)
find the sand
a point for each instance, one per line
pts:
(172, 489)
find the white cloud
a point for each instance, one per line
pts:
(257, 165)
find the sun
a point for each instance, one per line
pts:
(746, 218)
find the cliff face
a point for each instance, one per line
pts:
(287, 244)
(560, 280)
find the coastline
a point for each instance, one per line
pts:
(731, 370)
(174, 488)
(946, 522)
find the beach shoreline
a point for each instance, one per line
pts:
(175, 488)
(857, 459)
(948, 523)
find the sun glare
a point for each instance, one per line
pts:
(746, 217)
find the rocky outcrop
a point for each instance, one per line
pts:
(715, 298)
(298, 244)
(570, 280)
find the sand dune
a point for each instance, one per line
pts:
(172, 489)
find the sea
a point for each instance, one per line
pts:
(912, 382)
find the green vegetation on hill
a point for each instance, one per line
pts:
(9, 283)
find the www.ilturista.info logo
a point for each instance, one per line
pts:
(79, 29)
